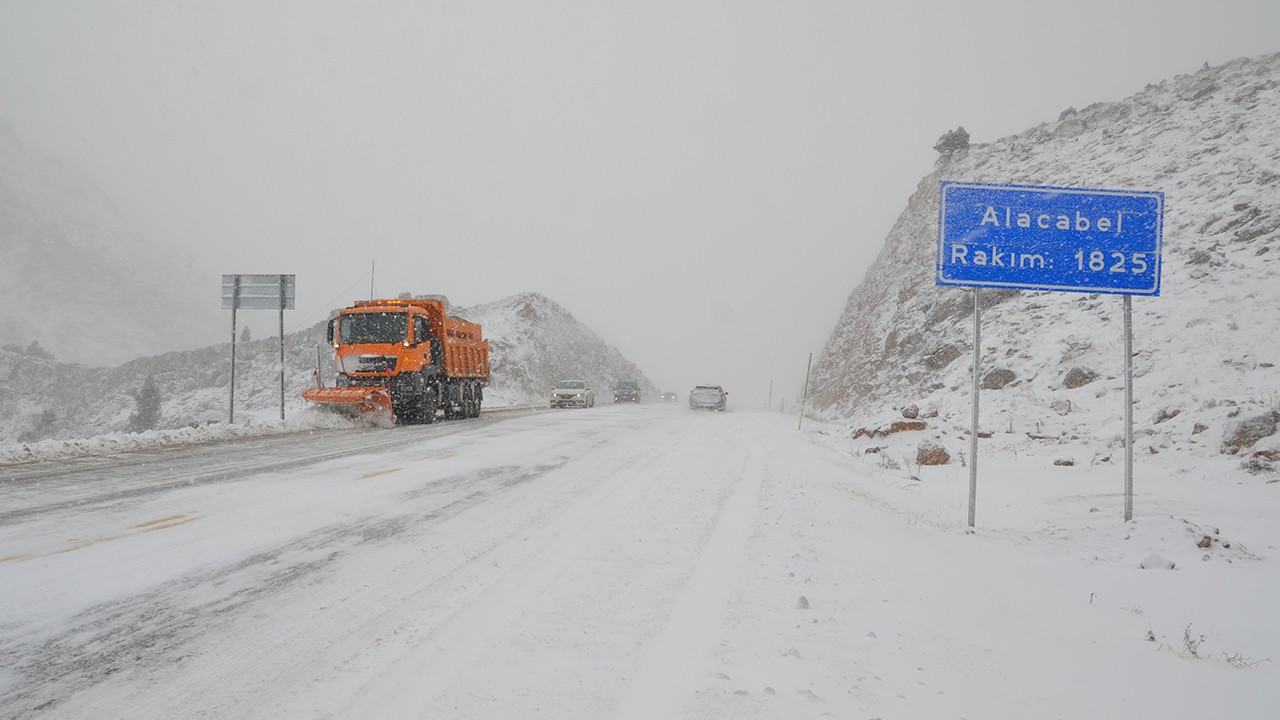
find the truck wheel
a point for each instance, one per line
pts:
(402, 405)
(427, 408)
(475, 400)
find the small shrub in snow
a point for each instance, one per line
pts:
(952, 142)
(1192, 643)
(1240, 661)
(1257, 465)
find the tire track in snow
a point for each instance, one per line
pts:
(453, 644)
(675, 659)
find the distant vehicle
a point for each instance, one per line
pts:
(626, 391)
(668, 397)
(708, 397)
(573, 393)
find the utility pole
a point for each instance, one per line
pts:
(804, 397)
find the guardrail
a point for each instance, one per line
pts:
(505, 409)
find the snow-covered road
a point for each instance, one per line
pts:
(628, 562)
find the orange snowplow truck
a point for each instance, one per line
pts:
(405, 361)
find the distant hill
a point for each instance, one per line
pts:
(533, 343)
(1206, 351)
(78, 280)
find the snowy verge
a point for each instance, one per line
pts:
(1063, 497)
(252, 425)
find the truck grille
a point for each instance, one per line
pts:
(369, 363)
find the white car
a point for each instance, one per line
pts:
(708, 397)
(573, 393)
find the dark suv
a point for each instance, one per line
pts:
(626, 391)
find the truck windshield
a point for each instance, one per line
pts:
(373, 327)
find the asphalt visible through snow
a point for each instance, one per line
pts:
(136, 580)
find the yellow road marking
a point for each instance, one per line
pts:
(382, 472)
(172, 524)
(161, 524)
(161, 520)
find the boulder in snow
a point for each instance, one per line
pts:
(1079, 376)
(1245, 433)
(931, 452)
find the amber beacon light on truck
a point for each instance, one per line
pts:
(404, 361)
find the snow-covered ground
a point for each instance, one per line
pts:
(633, 562)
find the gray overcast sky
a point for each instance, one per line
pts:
(701, 182)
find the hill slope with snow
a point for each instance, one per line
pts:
(77, 279)
(533, 343)
(1205, 351)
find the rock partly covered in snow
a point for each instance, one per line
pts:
(1209, 345)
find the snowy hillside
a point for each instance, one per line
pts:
(78, 280)
(533, 343)
(1205, 351)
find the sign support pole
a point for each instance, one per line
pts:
(282, 347)
(256, 292)
(973, 435)
(1059, 239)
(235, 300)
(1128, 408)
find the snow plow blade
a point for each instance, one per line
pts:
(370, 403)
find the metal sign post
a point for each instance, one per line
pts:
(235, 303)
(281, 347)
(256, 292)
(973, 424)
(1051, 238)
(1128, 408)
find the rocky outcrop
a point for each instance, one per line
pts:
(1206, 347)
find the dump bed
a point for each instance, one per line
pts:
(464, 353)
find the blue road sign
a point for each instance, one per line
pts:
(1050, 238)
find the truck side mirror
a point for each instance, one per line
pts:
(328, 334)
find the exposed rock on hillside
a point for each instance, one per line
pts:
(1209, 345)
(535, 342)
